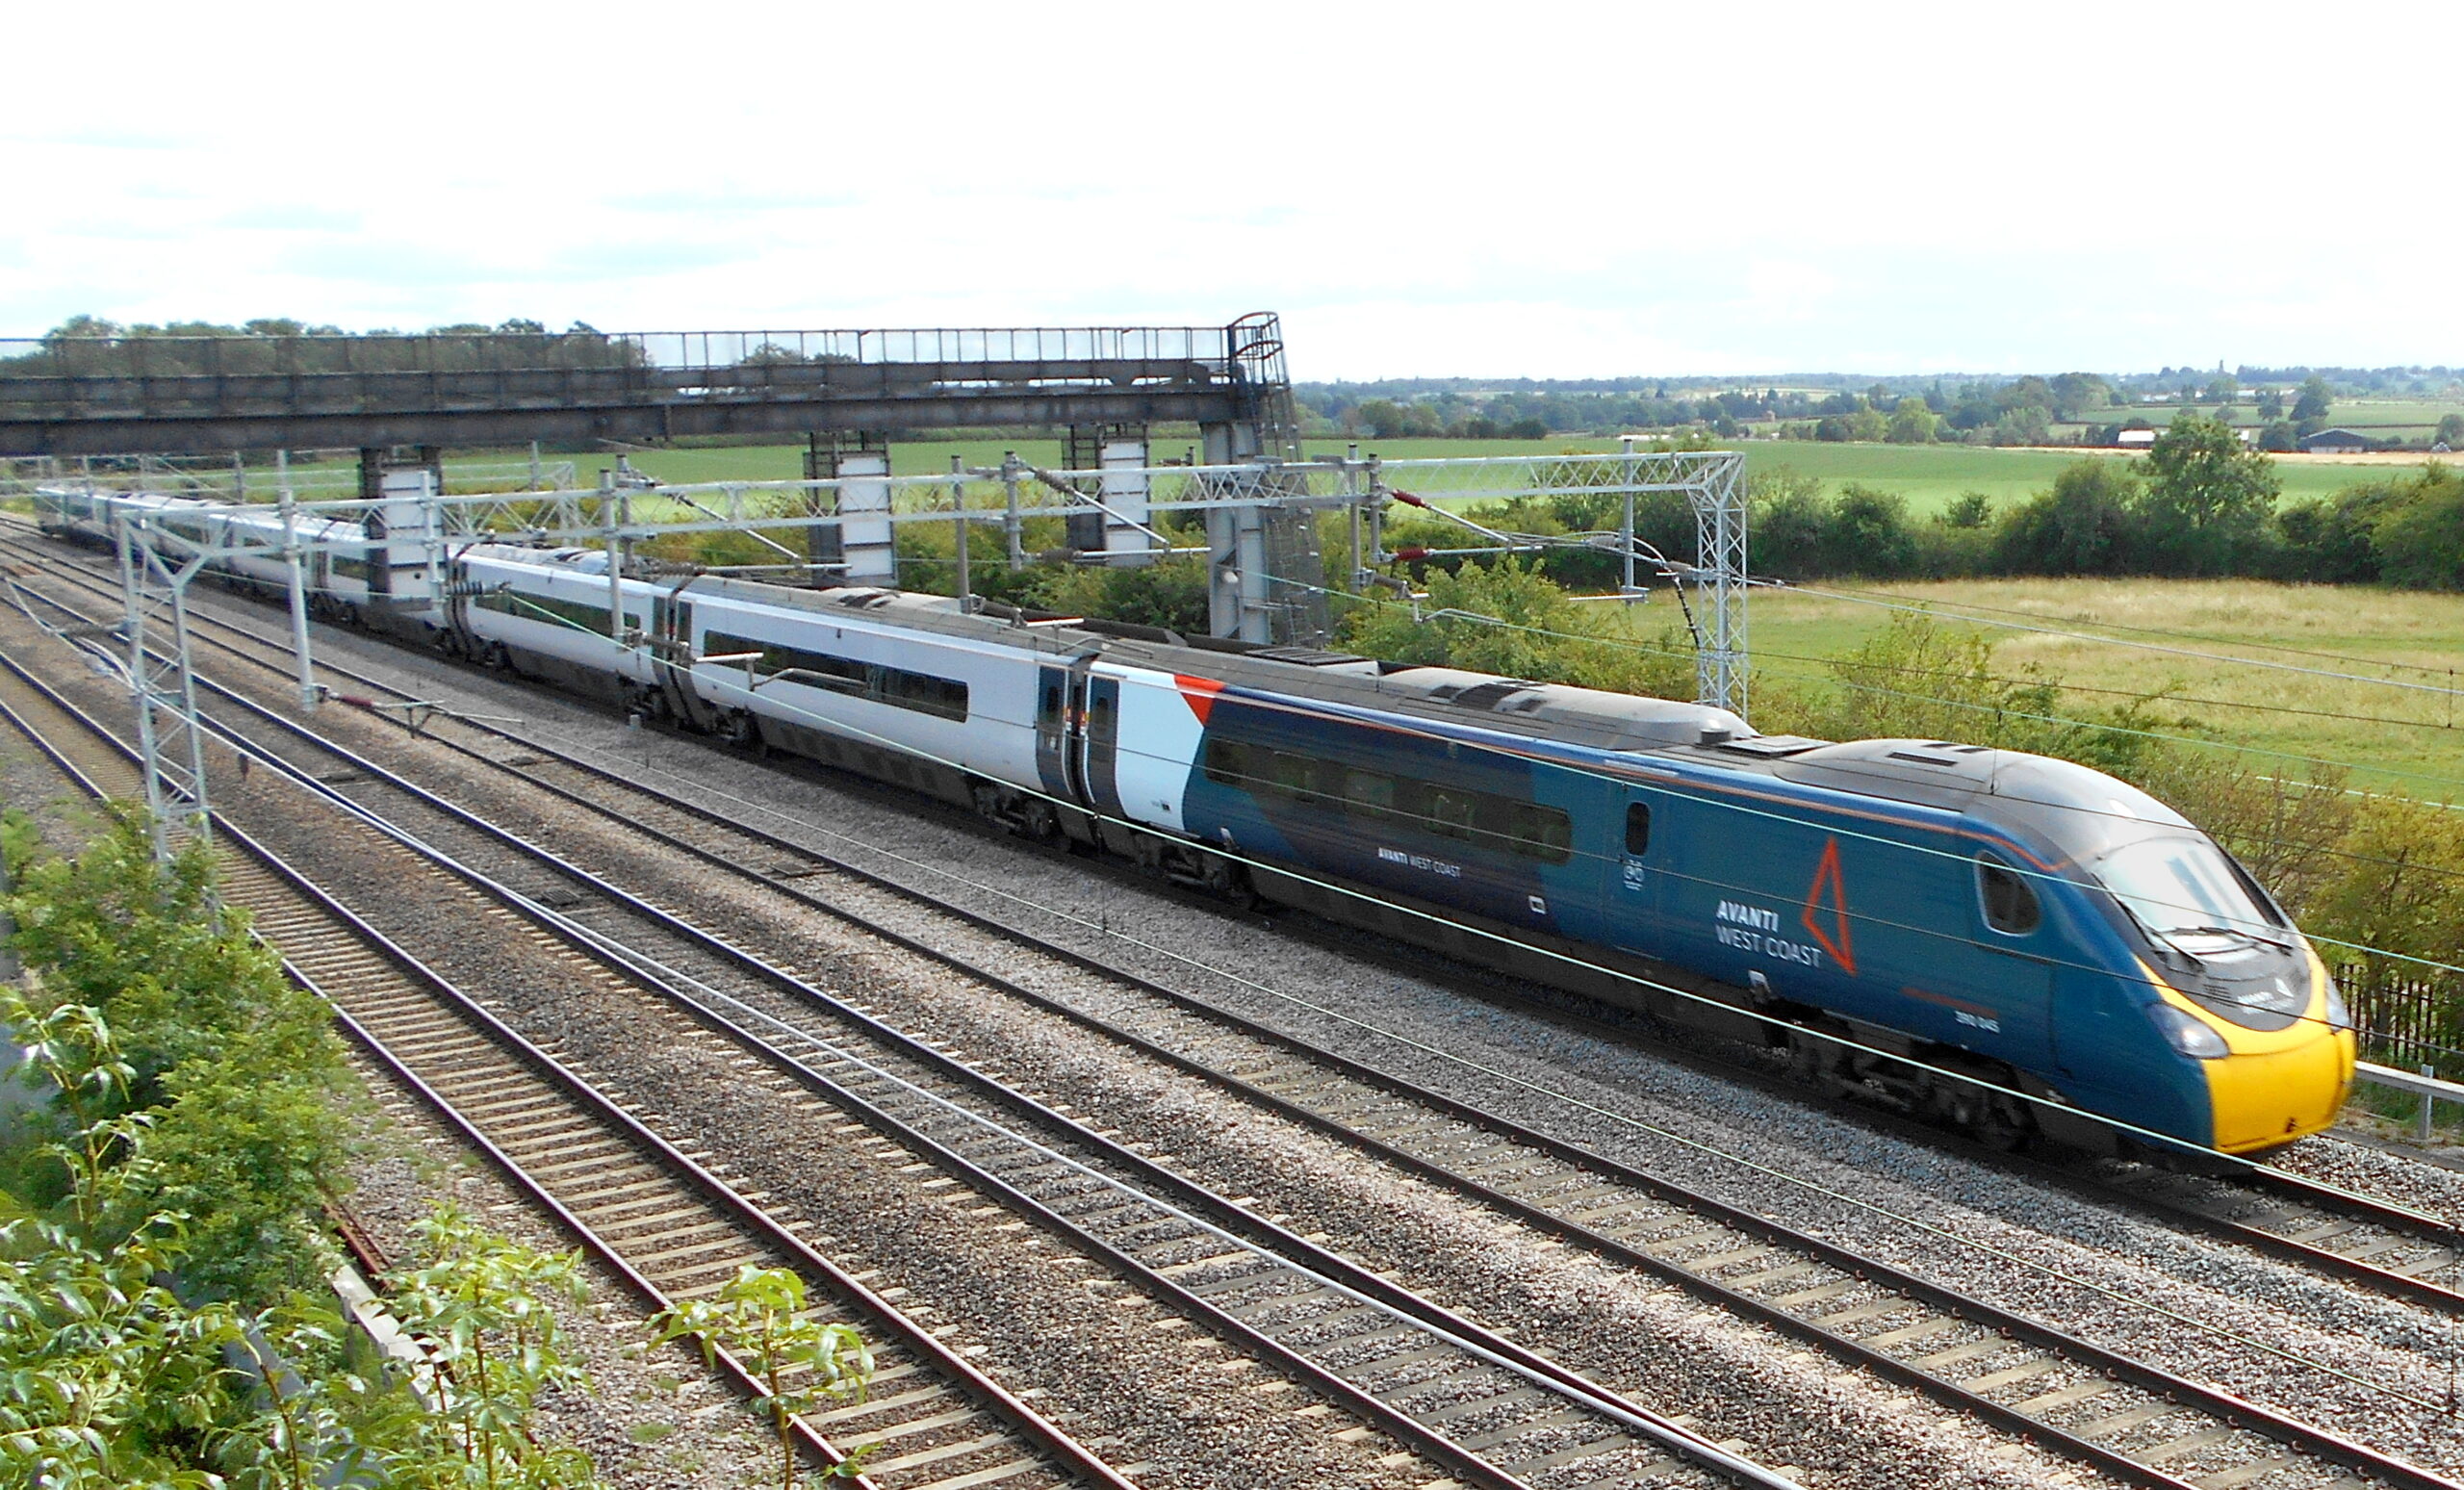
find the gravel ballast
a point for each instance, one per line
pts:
(1631, 1105)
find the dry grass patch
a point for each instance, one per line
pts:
(2224, 669)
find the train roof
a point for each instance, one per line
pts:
(1581, 716)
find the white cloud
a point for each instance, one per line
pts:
(1550, 189)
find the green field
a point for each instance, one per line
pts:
(2386, 415)
(2403, 738)
(1928, 475)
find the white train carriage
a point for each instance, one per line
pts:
(859, 678)
(335, 568)
(546, 613)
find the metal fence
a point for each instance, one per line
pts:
(2406, 1022)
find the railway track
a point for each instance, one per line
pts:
(2130, 1420)
(1487, 1409)
(2359, 1239)
(672, 1228)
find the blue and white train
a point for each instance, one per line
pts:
(1941, 907)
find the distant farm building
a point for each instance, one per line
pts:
(2335, 442)
(2135, 438)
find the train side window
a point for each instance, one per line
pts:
(1543, 833)
(2010, 899)
(1638, 830)
(1227, 764)
(1369, 794)
(943, 698)
(1450, 812)
(1293, 775)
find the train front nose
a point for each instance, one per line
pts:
(2275, 1085)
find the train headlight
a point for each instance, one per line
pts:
(2184, 1032)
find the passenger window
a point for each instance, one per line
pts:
(1638, 830)
(2010, 899)
(1227, 763)
(1369, 794)
(1292, 773)
(1450, 812)
(1542, 833)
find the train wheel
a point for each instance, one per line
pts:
(1230, 879)
(1998, 1119)
(1818, 1062)
(2003, 1121)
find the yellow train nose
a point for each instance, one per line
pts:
(2275, 1085)
(2265, 1099)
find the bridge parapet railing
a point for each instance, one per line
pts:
(136, 370)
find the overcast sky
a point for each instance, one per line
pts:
(1501, 190)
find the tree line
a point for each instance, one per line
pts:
(2200, 504)
(2287, 406)
(90, 346)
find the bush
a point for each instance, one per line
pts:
(2082, 526)
(232, 1066)
(1968, 509)
(1548, 636)
(2332, 542)
(1168, 593)
(2418, 530)
(2399, 885)
(1867, 532)
(1791, 533)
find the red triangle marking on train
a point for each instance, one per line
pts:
(1200, 693)
(1827, 877)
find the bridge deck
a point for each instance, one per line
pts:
(195, 395)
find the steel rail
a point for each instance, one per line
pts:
(2363, 1207)
(1072, 1456)
(1290, 1251)
(2417, 1289)
(2260, 1419)
(2223, 1405)
(1293, 1250)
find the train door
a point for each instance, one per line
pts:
(671, 651)
(1073, 716)
(1637, 872)
(1052, 730)
(1103, 744)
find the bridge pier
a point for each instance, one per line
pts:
(1117, 530)
(860, 547)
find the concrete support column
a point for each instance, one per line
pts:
(1125, 496)
(399, 566)
(822, 545)
(371, 490)
(1083, 449)
(1239, 580)
(864, 518)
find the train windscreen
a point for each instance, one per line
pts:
(2187, 893)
